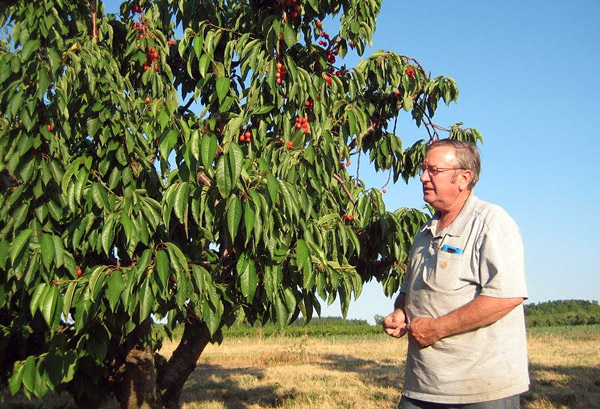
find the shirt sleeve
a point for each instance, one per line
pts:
(502, 257)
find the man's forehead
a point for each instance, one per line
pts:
(441, 154)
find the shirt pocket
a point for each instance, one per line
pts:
(447, 271)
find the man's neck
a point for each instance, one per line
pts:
(447, 217)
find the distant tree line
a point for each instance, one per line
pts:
(543, 314)
(562, 312)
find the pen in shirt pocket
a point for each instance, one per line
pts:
(451, 249)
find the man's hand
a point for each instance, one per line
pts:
(423, 331)
(395, 324)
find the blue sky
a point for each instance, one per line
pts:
(527, 72)
(528, 75)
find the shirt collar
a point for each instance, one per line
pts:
(458, 225)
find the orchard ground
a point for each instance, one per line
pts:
(303, 372)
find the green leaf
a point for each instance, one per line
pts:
(211, 317)
(19, 243)
(29, 373)
(15, 103)
(93, 125)
(49, 306)
(16, 379)
(47, 249)
(234, 215)
(59, 251)
(147, 300)
(163, 267)
(272, 187)
(68, 298)
(290, 35)
(223, 176)
(195, 144)
(198, 42)
(247, 276)
(203, 64)
(236, 161)
(3, 254)
(108, 234)
(181, 204)
(249, 218)
(115, 287)
(282, 314)
(28, 48)
(208, 149)
(352, 122)
(223, 86)
(38, 295)
(96, 280)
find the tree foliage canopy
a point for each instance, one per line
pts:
(187, 161)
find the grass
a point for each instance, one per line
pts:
(303, 372)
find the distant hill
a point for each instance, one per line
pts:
(562, 312)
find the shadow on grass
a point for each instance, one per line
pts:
(573, 387)
(384, 373)
(233, 387)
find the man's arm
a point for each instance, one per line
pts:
(482, 311)
(395, 324)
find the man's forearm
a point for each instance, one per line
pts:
(400, 301)
(482, 311)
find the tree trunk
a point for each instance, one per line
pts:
(143, 381)
(136, 385)
(173, 375)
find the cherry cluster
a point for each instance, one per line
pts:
(246, 137)
(331, 52)
(151, 60)
(410, 71)
(280, 73)
(302, 123)
(291, 7)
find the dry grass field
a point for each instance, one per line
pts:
(363, 372)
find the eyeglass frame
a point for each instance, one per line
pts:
(434, 171)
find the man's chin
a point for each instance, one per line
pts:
(428, 196)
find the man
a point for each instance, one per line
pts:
(461, 299)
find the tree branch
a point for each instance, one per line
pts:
(336, 177)
(94, 25)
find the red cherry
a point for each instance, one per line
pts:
(79, 271)
(50, 127)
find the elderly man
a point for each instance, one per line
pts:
(461, 299)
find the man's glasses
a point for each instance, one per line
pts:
(432, 170)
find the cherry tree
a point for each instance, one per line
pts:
(188, 161)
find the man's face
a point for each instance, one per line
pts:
(442, 180)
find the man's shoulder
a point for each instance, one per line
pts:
(491, 213)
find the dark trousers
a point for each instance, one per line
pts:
(512, 402)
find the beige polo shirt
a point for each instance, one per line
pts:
(485, 258)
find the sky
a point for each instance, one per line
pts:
(528, 77)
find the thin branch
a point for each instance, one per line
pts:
(94, 26)
(336, 177)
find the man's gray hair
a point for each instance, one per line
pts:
(467, 156)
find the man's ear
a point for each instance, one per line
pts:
(464, 179)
